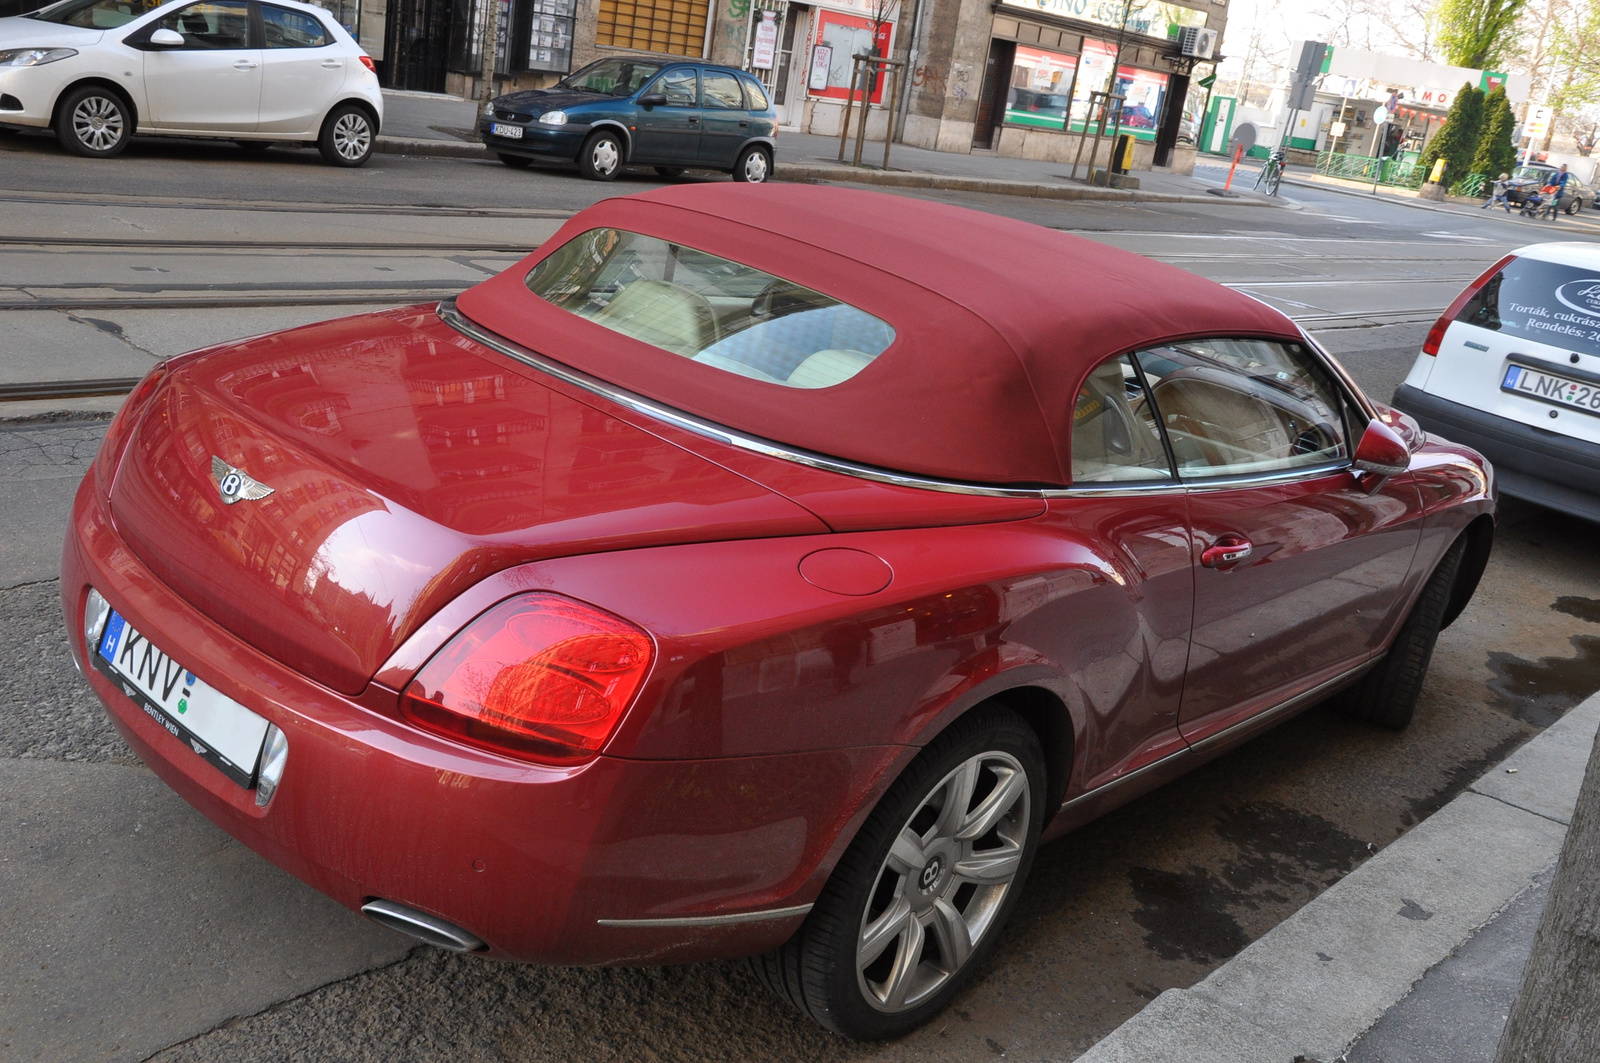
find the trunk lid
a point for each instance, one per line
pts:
(405, 463)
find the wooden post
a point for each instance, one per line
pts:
(866, 104)
(849, 98)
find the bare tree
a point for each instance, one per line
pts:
(1556, 1017)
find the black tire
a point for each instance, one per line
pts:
(1387, 695)
(753, 166)
(94, 122)
(670, 171)
(254, 147)
(1274, 181)
(1574, 206)
(516, 162)
(816, 970)
(348, 136)
(602, 156)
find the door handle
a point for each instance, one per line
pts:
(744, 124)
(693, 121)
(1227, 550)
(332, 64)
(243, 64)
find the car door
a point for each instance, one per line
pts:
(213, 82)
(1299, 559)
(724, 119)
(668, 134)
(301, 70)
(1118, 622)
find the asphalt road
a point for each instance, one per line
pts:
(134, 929)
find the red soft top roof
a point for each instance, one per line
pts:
(997, 323)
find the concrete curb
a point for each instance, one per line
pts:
(1321, 978)
(885, 178)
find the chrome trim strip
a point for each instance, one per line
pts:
(677, 418)
(1321, 690)
(1266, 715)
(1262, 479)
(1118, 783)
(711, 920)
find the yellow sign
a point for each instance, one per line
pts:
(1438, 171)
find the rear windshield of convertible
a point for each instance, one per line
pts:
(709, 309)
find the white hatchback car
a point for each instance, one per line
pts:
(97, 71)
(1512, 369)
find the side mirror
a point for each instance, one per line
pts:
(165, 38)
(1382, 451)
(653, 99)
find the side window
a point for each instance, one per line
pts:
(681, 86)
(1114, 433)
(223, 24)
(1241, 407)
(722, 91)
(757, 94)
(293, 29)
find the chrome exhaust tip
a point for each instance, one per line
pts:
(424, 927)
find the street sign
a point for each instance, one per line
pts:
(1538, 123)
(1208, 81)
(1244, 136)
(1381, 115)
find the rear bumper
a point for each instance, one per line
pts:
(545, 864)
(1530, 463)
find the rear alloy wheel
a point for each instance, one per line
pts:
(347, 136)
(753, 166)
(1574, 206)
(916, 904)
(601, 157)
(1387, 695)
(516, 162)
(94, 122)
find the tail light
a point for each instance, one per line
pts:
(1430, 346)
(366, 61)
(539, 676)
(122, 425)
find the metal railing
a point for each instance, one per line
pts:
(1397, 174)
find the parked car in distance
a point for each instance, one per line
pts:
(622, 112)
(1512, 369)
(1136, 116)
(751, 572)
(1529, 179)
(99, 71)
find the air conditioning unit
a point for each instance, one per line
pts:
(1197, 42)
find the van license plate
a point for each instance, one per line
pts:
(215, 726)
(1533, 384)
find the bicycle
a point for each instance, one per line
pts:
(1272, 172)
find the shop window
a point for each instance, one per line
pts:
(1041, 88)
(677, 27)
(1143, 91)
(844, 36)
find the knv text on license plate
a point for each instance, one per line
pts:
(510, 132)
(1520, 380)
(215, 726)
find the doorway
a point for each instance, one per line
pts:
(417, 44)
(782, 79)
(996, 87)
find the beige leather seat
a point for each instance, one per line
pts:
(824, 369)
(1110, 441)
(664, 314)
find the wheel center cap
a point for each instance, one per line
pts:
(932, 874)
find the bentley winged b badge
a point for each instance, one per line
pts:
(236, 484)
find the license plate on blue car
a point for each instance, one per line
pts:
(510, 132)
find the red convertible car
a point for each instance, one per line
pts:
(751, 571)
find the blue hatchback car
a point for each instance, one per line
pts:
(640, 112)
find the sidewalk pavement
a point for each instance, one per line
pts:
(417, 123)
(1414, 956)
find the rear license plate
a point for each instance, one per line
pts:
(1520, 380)
(215, 726)
(510, 132)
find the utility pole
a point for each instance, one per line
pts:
(1556, 1016)
(491, 26)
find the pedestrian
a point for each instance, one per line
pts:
(1558, 181)
(1501, 186)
